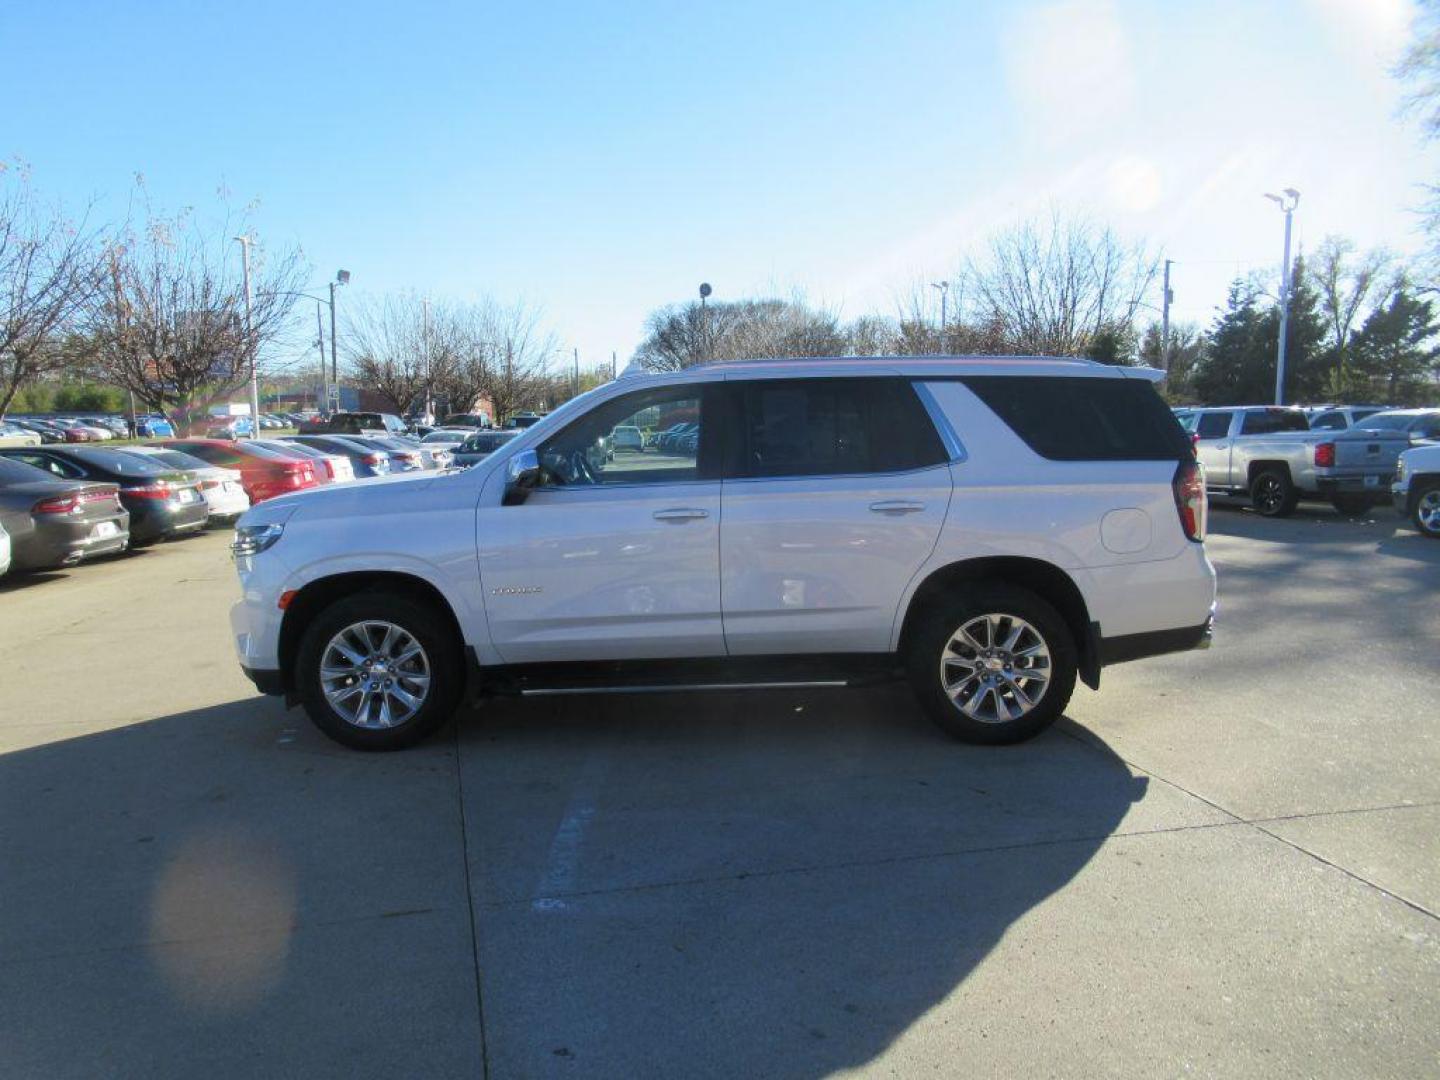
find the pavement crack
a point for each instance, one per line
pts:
(470, 908)
(1082, 736)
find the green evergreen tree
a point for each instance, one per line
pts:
(1233, 370)
(1396, 350)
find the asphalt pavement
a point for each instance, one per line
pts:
(1222, 864)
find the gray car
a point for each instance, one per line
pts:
(481, 445)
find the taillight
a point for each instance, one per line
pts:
(69, 504)
(329, 468)
(158, 490)
(1325, 455)
(1190, 502)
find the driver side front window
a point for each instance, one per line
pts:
(669, 422)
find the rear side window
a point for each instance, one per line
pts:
(1272, 420)
(1329, 421)
(819, 427)
(1215, 425)
(1085, 419)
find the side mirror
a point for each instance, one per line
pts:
(522, 474)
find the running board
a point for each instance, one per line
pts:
(702, 674)
(668, 688)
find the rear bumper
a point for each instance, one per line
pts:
(1118, 650)
(1360, 484)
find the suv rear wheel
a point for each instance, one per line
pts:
(376, 671)
(993, 664)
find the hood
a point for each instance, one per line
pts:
(355, 497)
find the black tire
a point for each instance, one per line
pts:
(417, 617)
(1420, 512)
(1272, 494)
(930, 641)
(1352, 505)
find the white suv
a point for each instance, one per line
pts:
(988, 528)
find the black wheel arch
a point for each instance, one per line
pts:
(1045, 579)
(1257, 467)
(319, 594)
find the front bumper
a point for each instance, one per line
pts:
(266, 680)
(1400, 496)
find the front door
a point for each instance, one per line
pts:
(615, 556)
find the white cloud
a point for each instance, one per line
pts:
(1134, 184)
(1378, 28)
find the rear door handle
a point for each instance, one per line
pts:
(896, 506)
(681, 513)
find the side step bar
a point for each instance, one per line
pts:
(664, 688)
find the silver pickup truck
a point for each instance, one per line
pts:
(1270, 454)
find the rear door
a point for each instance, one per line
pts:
(1212, 446)
(835, 492)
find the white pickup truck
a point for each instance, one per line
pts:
(1416, 489)
(1270, 454)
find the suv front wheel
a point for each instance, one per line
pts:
(376, 671)
(995, 664)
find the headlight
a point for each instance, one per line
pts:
(253, 539)
(1400, 471)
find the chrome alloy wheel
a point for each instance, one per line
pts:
(1427, 511)
(995, 668)
(375, 674)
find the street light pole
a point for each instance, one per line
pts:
(425, 344)
(944, 287)
(1165, 320)
(1287, 202)
(244, 242)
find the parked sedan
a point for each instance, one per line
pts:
(628, 437)
(223, 490)
(264, 473)
(48, 432)
(329, 468)
(163, 502)
(364, 460)
(481, 445)
(14, 435)
(53, 522)
(404, 456)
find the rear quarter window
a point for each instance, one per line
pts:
(1084, 419)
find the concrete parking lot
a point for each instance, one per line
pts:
(1224, 864)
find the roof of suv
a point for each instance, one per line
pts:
(932, 366)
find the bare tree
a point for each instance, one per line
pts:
(1349, 288)
(1050, 286)
(385, 347)
(522, 353)
(463, 345)
(47, 274)
(682, 335)
(168, 322)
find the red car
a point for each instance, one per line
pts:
(264, 473)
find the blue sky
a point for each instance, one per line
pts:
(599, 160)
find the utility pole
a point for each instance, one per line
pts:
(425, 344)
(320, 344)
(575, 389)
(1165, 320)
(1287, 204)
(612, 365)
(244, 242)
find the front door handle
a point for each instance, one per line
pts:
(681, 513)
(897, 506)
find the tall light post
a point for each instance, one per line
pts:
(244, 242)
(425, 345)
(342, 277)
(705, 319)
(1287, 202)
(944, 287)
(1167, 300)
